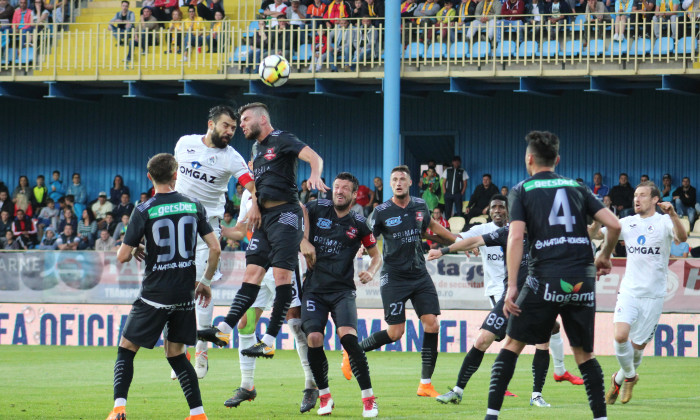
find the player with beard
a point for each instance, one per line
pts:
(403, 220)
(277, 219)
(206, 163)
(332, 237)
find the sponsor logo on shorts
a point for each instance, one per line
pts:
(393, 221)
(352, 232)
(270, 154)
(323, 223)
(571, 294)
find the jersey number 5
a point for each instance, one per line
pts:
(561, 206)
(172, 242)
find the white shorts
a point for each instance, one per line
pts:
(642, 314)
(266, 295)
(202, 252)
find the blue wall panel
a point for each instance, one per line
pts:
(648, 132)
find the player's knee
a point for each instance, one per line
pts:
(395, 332)
(621, 336)
(247, 324)
(484, 340)
(556, 328)
(315, 339)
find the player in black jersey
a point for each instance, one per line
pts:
(170, 223)
(332, 237)
(494, 326)
(561, 269)
(277, 218)
(402, 221)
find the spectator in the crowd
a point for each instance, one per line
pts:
(69, 203)
(341, 42)
(685, 200)
(454, 183)
(227, 222)
(559, 12)
(357, 208)
(13, 243)
(40, 193)
(142, 199)
(22, 22)
(378, 193)
(212, 39)
(596, 12)
(607, 202)
(623, 13)
(599, 189)
(194, 31)
(485, 16)
(374, 10)
(56, 190)
(438, 217)
(236, 199)
(22, 202)
(147, 28)
(465, 13)
(622, 196)
(24, 226)
(79, 193)
(5, 222)
(125, 207)
(102, 206)
(667, 188)
(320, 50)
(207, 10)
(534, 9)
(425, 14)
(121, 226)
(643, 178)
(41, 16)
(48, 240)
(304, 192)
(337, 9)
(119, 241)
(315, 11)
(231, 245)
(48, 216)
(5, 203)
(679, 249)
(446, 21)
(108, 223)
(363, 197)
(274, 11)
(366, 43)
(67, 241)
(504, 191)
(408, 8)
(431, 186)
(118, 189)
(512, 12)
(480, 198)
(7, 12)
(122, 23)
(105, 242)
(22, 188)
(666, 13)
(356, 9)
(175, 32)
(296, 15)
(87, 229)
(68, 219)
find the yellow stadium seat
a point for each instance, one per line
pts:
(456, 224)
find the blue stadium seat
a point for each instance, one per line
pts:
(573, 48)
(252, 28)
(642, 46)
(305, 52)
(414, 50)
(26, 56)
(528, 49)
(505, 49)
(617, 49)
(549, 49)
(459, 50)
(595, 48)
(480, 49)
(664, 46)
(436, 51)
(7, 56)
(241, 54)
(578, 25)
(687, 45)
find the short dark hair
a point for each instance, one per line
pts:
(253, 105)
(74, 174)
(40, 176)
(655, 192)
(57, 172)
(685, 177)
(544, 146)
(49, 200)
(598, 173)
(125, 1)
(216, 112)
(109, 213)
(457, 158)
(347, 176)
(402, 168)
(623, 173)
(499, 197)
(70, 197)
(488, 175)
(191, 7)
(161, 167)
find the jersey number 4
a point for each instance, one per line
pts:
(171, 243)
(561, 212)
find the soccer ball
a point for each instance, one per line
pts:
(274, 70)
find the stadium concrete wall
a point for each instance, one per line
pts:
(101, 325)
(646, 132)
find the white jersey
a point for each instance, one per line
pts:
(491, 260)
(648, 244)
(204, 172)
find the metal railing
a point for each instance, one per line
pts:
(577, 45)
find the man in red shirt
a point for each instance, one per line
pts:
(437, 216)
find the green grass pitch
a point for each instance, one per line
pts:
(76, 383)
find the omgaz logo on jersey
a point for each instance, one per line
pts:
(323, 223)
(172, 208)
(641, 240)
(196, 165)
(393, 221)
(270, 154)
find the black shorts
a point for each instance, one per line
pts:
(495, 321)
(144, 324)
(541, 300)
(276, 242)
(396, 290)
(315, 308)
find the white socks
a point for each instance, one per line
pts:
(637, 358)
(268, 340)
(197, 410)
(458, 390)
(366, 393)
(247, 363)
(225, 328)
(425, 381)
(556, 346)
(119, 402)
(302, 350)
(625, 357)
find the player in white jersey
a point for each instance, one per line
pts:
(647, 237)
(247, 324)
(206, 163)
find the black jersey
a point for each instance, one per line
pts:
(337, 241)
(275, 166)
(500, 238)
(554, 209)
(402, 229)
(170, 222)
